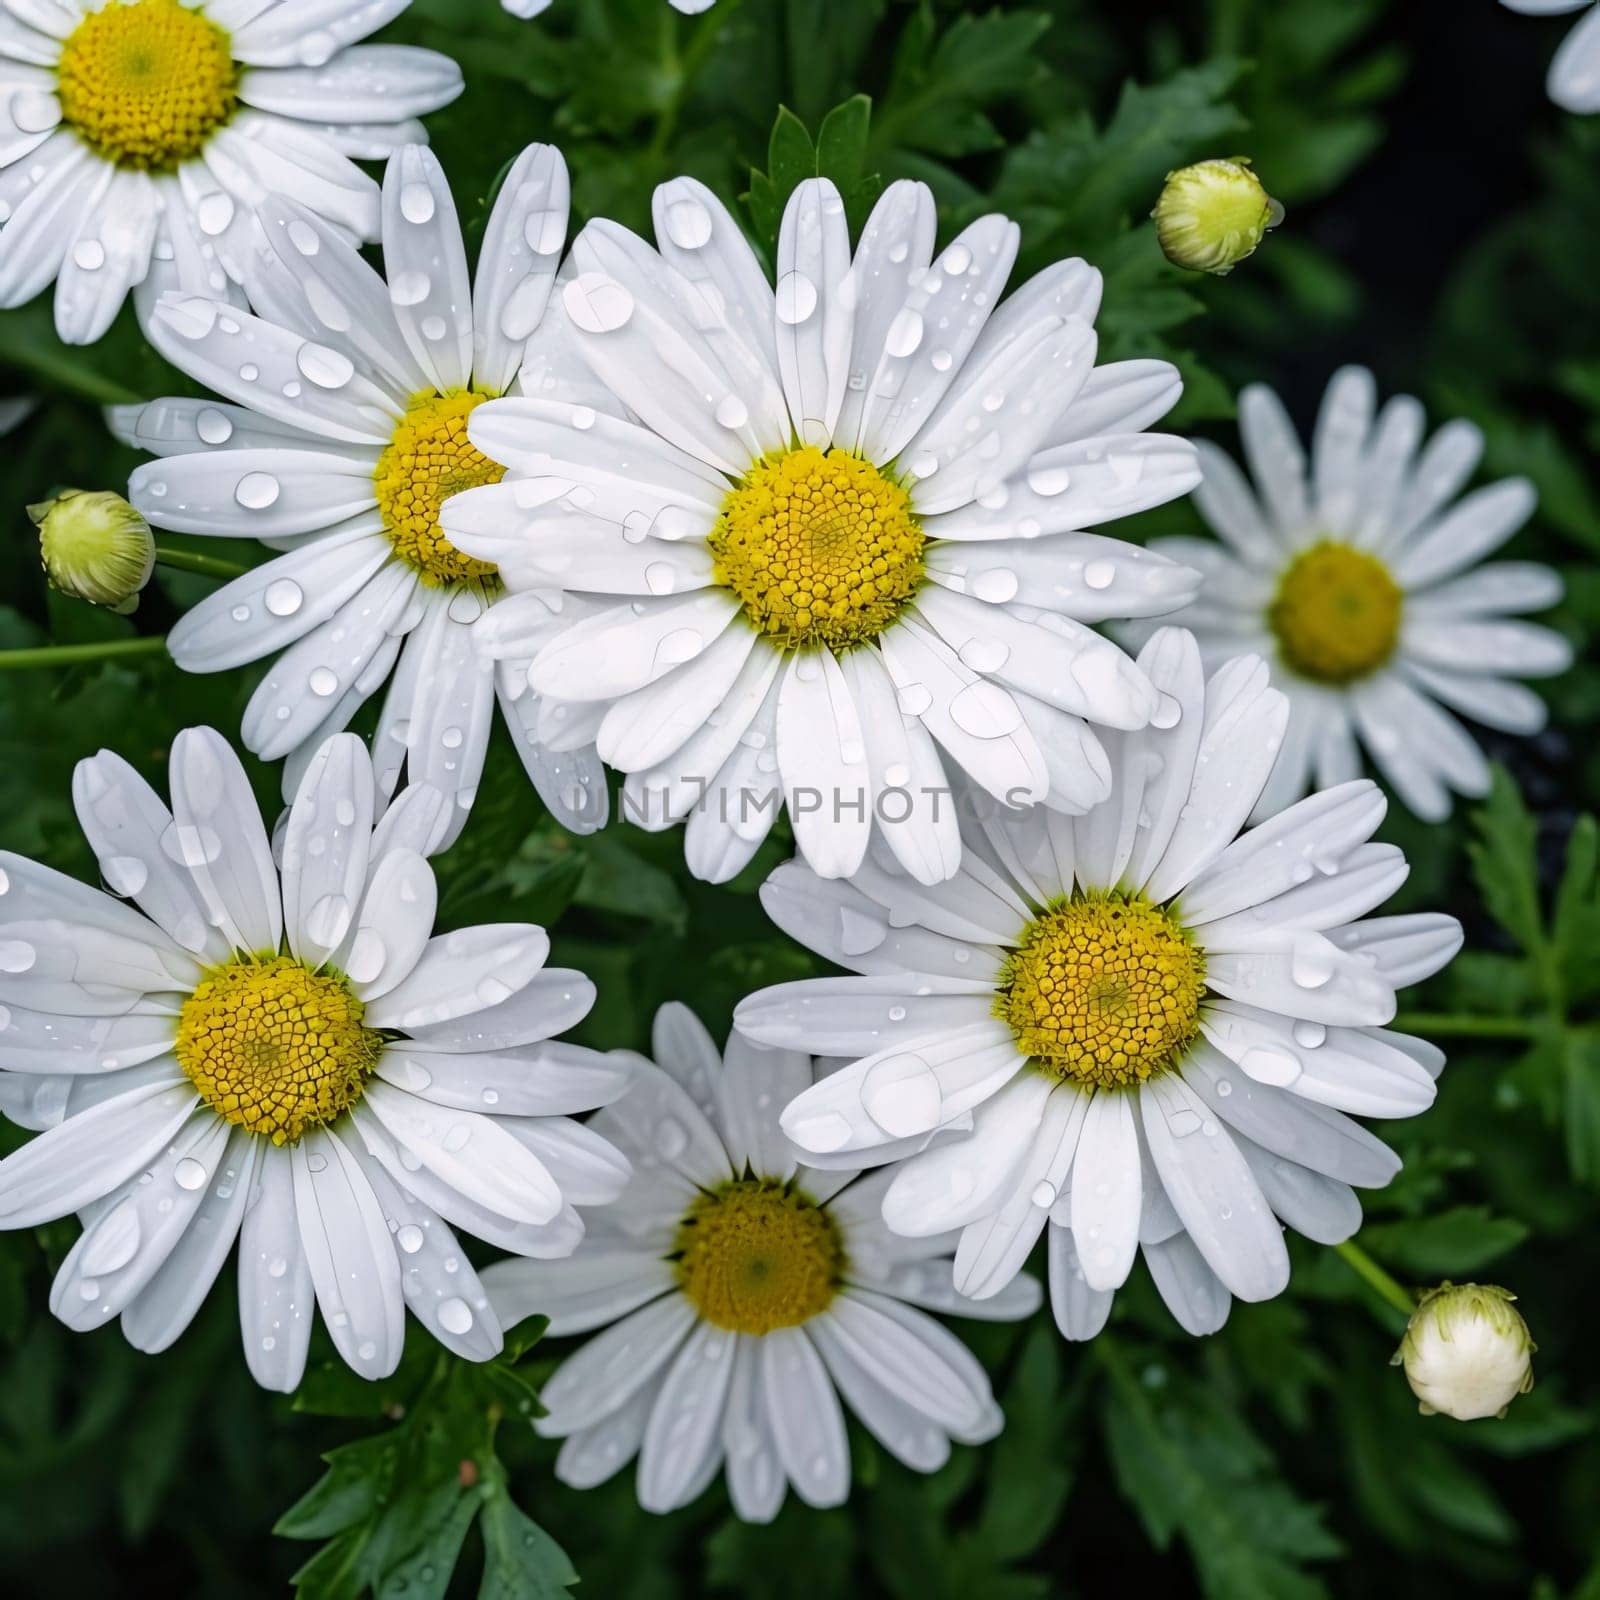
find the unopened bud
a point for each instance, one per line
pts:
(95, 547)
(1212, 215)
(1466, 1351)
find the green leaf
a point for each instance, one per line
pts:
(838, 153)
(1504, 862)
(1452, 1243)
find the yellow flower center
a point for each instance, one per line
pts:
(429, 459)
(821, 548)
(147, 82)
(1103, 991)
(275, 1047)
(1336, 614)
(755, 1255)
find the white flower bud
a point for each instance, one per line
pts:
(95, 547)
(1212, 215)
(1467, 1352)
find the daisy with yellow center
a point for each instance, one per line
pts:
(141, 135)
(836, 556)
(339, 442)
(222, 1049)
(1131, 1027)
(1360, 575)
(737, 1297)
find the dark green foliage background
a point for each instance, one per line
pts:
(1443, 224)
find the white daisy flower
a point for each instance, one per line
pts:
(743, 1295)
(1575, 72)
(139, 138)
(302, 1067)
(841, 545)
(1130, 1024)
(348, 428)
(1352, 577)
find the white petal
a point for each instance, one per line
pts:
(594, 1288)
(325, 849)
(1193, 1293)
(1080, 1311)
(755, 1085)
(601, 1377)
(803, 1412)
(275, 1288)
(220, 839)
(1107, 1190)
(346, 1245)
(1212, 1190)
(461, 973)
(822, 760)
(473, 1153)
(685, 1425)
(815, 316)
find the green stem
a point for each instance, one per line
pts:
(67, 655)
(193, 561)
(1465, 1025)
(1376, 1278)
(686, 68)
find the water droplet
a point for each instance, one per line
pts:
(213, 426)
(328, 369)
(284, 597)
(416, 202)
(1047, 481)
(189, 1174)
(1100, 574)
(596, 303)
(797, 298)
(732, 412)
(16, 955)
(671, 1138)
(455, 1316)
(256, 491)
(409, 1238)
(89, 254)
(323, 681)
(124, 875)
(688, 224)
(905, 332)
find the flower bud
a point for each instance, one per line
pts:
(1212, 215)
(1466, 1351)
(95, 547)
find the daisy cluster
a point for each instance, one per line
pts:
(832, 544)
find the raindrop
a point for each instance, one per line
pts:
(16, 955)
(124, 875)
(996, 585)
(688, 224)
(671, 1139)
(732, 412)
(1048, 481)
(455, 1316)
(323, 681)
(1310, 1034)
(189, 1174)
(905, 332)
(416, 202)
(213, 426)
(1271, 1066)
(256, 491)
(284, 597)
(1044, 1195)
(1100, 574)
(328, 369)
(901, 1094)
(89, 254)
(597, 304)
(409, 1238)
(797, 298)
(409, 288)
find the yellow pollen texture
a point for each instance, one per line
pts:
(276, 1048)
(1336, 614)
(145, 84)
(820, 547)
(755, 1255)
(1103, 991)
(429, 459)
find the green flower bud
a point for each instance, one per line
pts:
(95, 547)
(1466, 1351)
(1212, 215)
